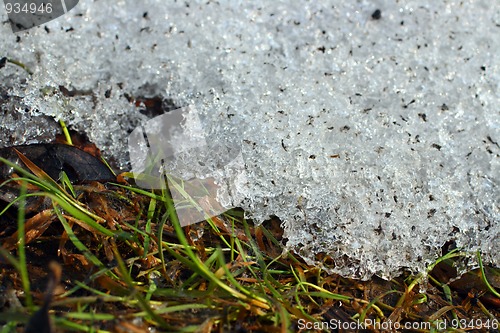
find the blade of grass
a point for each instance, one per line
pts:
(141, 191)
(89, 316)
(267, 278)
(20, 64)
(235, 283)
(372, 303)
(200, 267)
(54, 190)
(483, 276)
(138, 296)
(149, 218)
(65, 131)
(78, 244)
(193, 204)
(21, 250)
(69, 325)
(452, 254)
(66, 184)
(78, 214)
(176, 308)
(160, 247)
(277, 290)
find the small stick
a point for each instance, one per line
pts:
(40, 320)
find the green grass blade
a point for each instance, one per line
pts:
(21, 250)
(483, 276)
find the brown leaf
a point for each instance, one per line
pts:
(34, 228)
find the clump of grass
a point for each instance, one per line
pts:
(128, 266)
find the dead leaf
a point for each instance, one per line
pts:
(34, 228)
